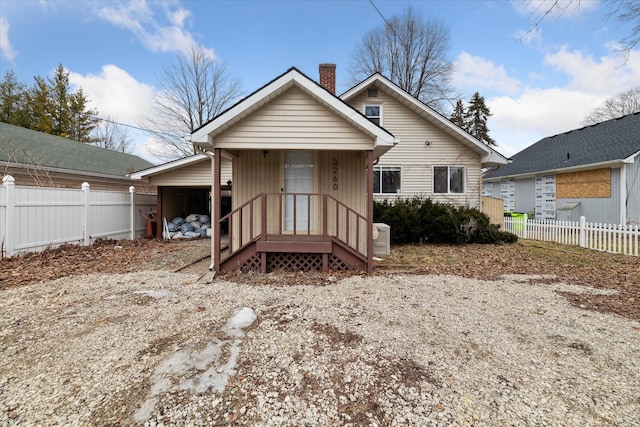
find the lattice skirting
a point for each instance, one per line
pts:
(297, 262)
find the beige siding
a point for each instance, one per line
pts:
(293, 120)
(416, 158)
(340, 174)
(347, 170)
(197, 174)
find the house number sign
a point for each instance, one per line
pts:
(335, 173)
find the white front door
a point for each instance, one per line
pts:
(298, 178)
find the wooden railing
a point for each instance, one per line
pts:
(311, 217)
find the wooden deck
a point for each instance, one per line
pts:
(264, 235)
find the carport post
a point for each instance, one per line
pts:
(215, 247)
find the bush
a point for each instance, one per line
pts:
(420, 220)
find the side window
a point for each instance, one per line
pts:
(448, 179)
(387, 180)
(373, 113)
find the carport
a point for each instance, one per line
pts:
(184, 187)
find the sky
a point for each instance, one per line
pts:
(537, 82)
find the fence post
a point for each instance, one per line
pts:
(583, 232)
(9, 227)
(132, 204)
(85, 229)
(524, 226)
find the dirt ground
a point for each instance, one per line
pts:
(560, 263)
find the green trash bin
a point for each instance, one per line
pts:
(518, 221)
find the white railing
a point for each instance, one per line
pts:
(36, 218)
(620, 239)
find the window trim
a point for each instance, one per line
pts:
(464, 178)
(379, 116)
(379, 168)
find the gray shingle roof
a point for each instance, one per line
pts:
(612, 140)
(24, 146)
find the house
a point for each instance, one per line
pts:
(593, 172)
(302, 164)
(38, 159)
(433, 158)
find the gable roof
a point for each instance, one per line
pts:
(607, 143)
(490, 157)
(20, 146)
(168, 166)
(384, 140)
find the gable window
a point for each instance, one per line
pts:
(387, 180)
(373, 113)
(448, 179)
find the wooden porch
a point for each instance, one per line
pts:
(294, 231)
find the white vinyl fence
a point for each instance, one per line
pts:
(621, 239)
(36, 218)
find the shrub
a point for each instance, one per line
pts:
(420, 220)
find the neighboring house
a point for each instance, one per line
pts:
(38, 159)
(593, 172)
(433, 158)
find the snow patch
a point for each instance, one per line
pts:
(199, 371)
(242, 318)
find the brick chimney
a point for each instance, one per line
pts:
(328, 77)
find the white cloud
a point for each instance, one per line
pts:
(523, 114)
(6, 49)
(120, 97)
(479, 74)
(115, 93)
(537, 113)
(159, 32)
(532, 36)
(606, 75)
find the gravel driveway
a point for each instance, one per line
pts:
(159, 348)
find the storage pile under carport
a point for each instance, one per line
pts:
(191, 227)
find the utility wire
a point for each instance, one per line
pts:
(133, 127)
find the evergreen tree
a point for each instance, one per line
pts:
(47, 106)
(458, 114)
(83, 119)
(476, 119)
(13, 101)
(60, 104)
(39, 104)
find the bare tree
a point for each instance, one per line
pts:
(194, 88)
(617, 106)
(624, 11)
(112, 136)
(412, 53)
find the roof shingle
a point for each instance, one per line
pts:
(25, 146)
(611, 140)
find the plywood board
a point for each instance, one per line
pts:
(584, 184)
